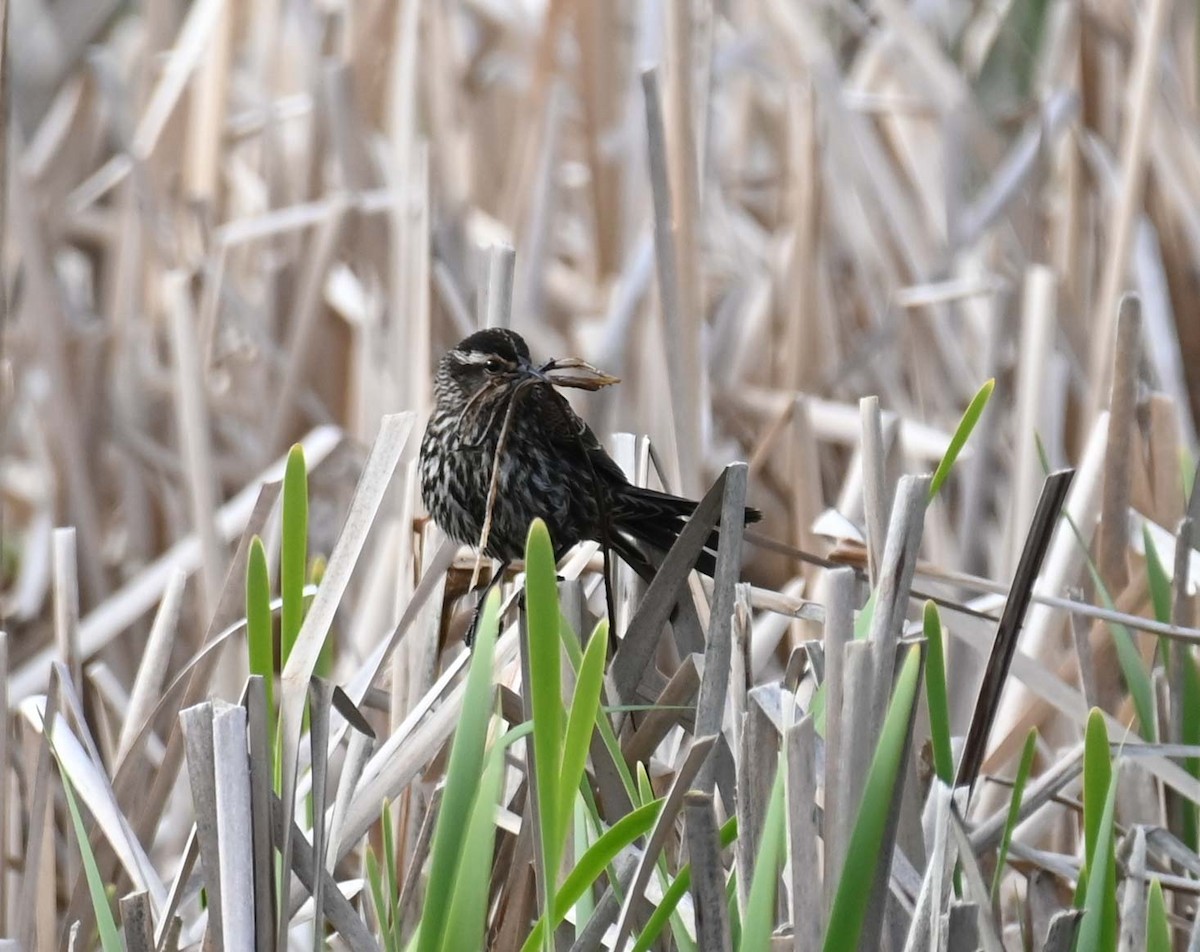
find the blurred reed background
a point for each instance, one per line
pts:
(234, 226)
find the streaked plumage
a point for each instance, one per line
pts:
(551, 465)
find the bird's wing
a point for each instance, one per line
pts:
(570, 435)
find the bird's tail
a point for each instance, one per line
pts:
(655, 519)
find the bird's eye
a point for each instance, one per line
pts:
(494, 365)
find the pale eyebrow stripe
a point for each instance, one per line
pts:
(471, 357)
(477, 358)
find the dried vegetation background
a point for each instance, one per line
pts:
(231, 226)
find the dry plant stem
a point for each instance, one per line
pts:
(497, 304)
(1046, 518)
(66, 603)
(111, 617)
(685, 773)
(710, 705)
(309, 300)
(1118, 462)
(5, 320)
(895, 581)
(80, 760)
(405, 753)
(186, 690)
(1038, 321)
(39, 826)
(5, 715)
(302, 662)
(261, 787)
(708, 879)
(757, 759)
(684, 155)
(137, 923)
(591, 937)
(926, 928)
(1134, 147)
(839, 632)
(147, 685)
(856, 741)
(207, 113)
(803, 830)
(67, 434)
(876, 505)
(192, 414)
(1133, 905)
(197, 724)
(193, 39)
(530, 281)
(231, 775)
(598, 30)
(666, 592)
(1063, 564)
(654, 726)
(683, 405)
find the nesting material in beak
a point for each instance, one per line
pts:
(587, 377)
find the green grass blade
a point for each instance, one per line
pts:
(391, 878)
(1136, 676)
(110, 936)
(646, 795)
(260, 640)
(969, 418)
(1160, 582)
(1158, 927)
(1097, 772)
(935, 693)
(586, 817)
(1014, 808)
(545, 690)
(581, 722)
(465, 927)
(866, 840)
(587, 870)
(383, 907)
(644, 787)
(1191, 735)
(1128, 657)
(817, 708)
(735, 917)
(293, 553)
(675, 892)
(862, 624)
(1098, 930)
(462, 781)
(575, 656)
(1007, 74)
(1161, 598)
(759, 922)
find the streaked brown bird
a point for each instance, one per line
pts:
(501, 431)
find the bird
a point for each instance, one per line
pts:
(502, 446)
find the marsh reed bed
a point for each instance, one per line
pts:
(916, 280)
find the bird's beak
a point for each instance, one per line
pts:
(586, 377)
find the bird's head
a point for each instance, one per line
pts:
(485, 359)
(496, 357)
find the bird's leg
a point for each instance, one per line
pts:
(485, 591)
(609, 602)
